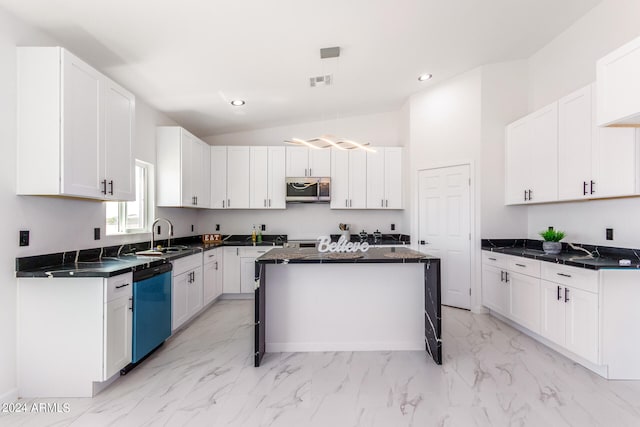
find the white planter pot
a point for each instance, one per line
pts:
(552, 248)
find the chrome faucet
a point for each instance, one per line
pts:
(153, 230)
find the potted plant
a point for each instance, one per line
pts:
(551, 244)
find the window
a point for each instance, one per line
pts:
(133, 217)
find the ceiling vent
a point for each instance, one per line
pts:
(319, 81)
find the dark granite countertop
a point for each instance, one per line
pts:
(373, 255)
(604, 257)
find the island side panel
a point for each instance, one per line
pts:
(433, 310)
(259, 301)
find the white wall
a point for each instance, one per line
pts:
(55, 224)
(566, 64)
(504, 99)
(377, 129)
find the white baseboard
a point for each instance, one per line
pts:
(237, 296)
(9, 396)
(289, 347)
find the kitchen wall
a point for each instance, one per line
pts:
(55, 224)
(303, 221)
(565, 64)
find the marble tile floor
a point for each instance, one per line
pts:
(492, 376)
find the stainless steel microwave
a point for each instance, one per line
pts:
(308, 190)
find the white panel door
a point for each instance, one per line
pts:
(376, 179)
(543, 152)
(238, 177)
(339, 179)
(218, 177)
(119, 131)
(444, 229)
(524, 300)
(495, 290)
(258, 177)
(582, 323)
(574, 145)
(552, 312)
(357, 179)
(297, 161)
(517, 164)
(82, 162)
(392, 177)
(277, 190)
(320, 163)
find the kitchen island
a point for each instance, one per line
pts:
(382, 299)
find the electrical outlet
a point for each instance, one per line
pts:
(609, 233)
(263, 227)
(191, 227)
(24, 238)
(96, 233)
(550, 228)
(393, 227)
(217, 227)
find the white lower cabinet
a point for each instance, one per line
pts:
(82, 325)
(187, 295)
(212, 275)
(524, 300)
(239, 268)
(495, 289)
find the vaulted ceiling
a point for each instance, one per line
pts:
(189, 59)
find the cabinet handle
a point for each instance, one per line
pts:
(566, 295)
(563, 274)
(216, 265)
(558, 294)
(269, 202)
(386, 203)
(382, 203)
(104, 186)
(525, 195)
(196, 200)
(111, 187)
(237, 252)
(223, 204)
(501, 276)
(346, 203)
(261, 252)
(530, 197)
(506, 276)
(592, 184)
(228, 203)
(265, 203)
(350, 203)
(584, 188)
(123, 286)
(521, 265)
(131, 305)
(310, 173)
(492, 259)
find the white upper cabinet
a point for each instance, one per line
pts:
(593, 162)
(348, 179)
(183, 169)
(532, 158)
(238, 159)
(575, 127)
(302, 161)
(619, 86)
(267, 182)
(218, 177)
(75, 128)
(384, 178)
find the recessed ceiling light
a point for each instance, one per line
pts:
(237, 102)
(424, 77)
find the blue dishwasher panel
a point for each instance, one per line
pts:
(151, 314)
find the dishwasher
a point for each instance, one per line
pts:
(151, 306)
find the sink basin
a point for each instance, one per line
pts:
(162, 251)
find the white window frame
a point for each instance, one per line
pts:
(146, 207)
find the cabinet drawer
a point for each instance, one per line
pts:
(190, 262)
(576, 277)
(211, 256)
(530, 267)
(256, 251)
(118, 287)
(494, 258)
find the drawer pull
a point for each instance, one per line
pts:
(521, 265)
(122, 286)
(563, 274)
(492, 259)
